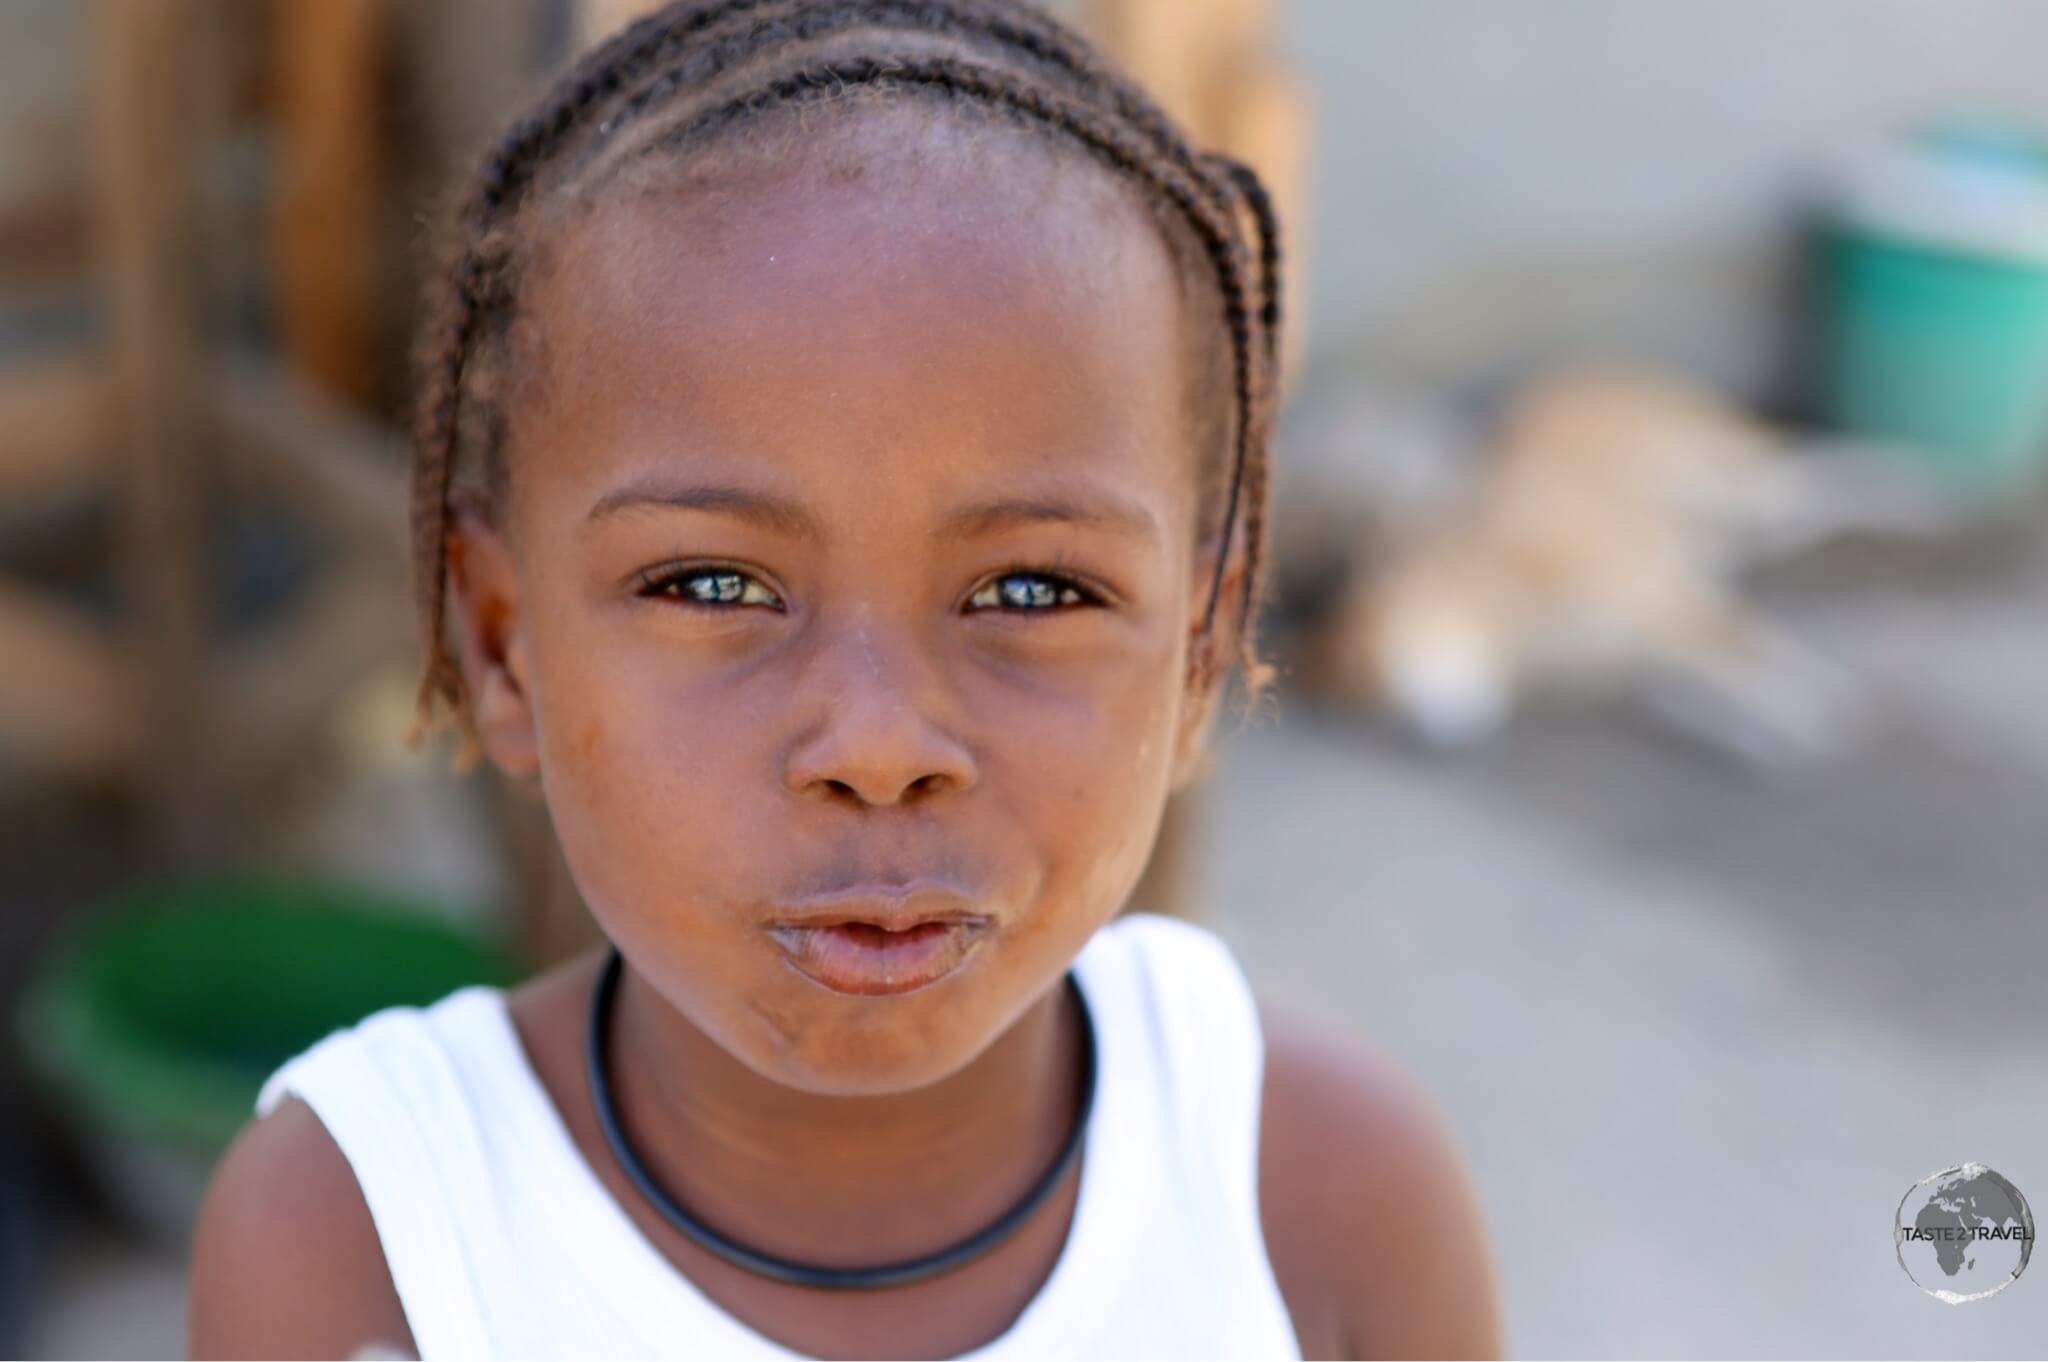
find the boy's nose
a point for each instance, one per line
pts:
(876, 738)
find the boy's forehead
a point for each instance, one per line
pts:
(993, 302)
(879, 207)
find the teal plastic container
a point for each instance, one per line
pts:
(1936, 280)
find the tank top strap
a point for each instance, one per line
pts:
(1209, 1054)
(1209, 1050)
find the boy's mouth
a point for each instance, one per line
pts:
(874, 945)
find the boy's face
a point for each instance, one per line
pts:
(804, 464)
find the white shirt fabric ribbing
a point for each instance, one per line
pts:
(503, 1243)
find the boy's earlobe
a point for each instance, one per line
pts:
(1191, 755)
(483, 593)
(1206, 675)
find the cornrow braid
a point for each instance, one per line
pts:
(1259, 675)
(1041, 75)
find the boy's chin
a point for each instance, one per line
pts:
(834, 1045)
(873, 1047)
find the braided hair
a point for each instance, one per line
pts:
(695, 70)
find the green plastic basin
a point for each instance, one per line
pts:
(158, 1019)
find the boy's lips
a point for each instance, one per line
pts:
(872, 943)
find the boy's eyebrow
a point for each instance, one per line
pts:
(781, 516)
(1098, 510)
(765, 509)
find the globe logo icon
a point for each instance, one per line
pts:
(1963, 1233)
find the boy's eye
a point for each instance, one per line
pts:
(723, 586)
(1031, 591)
(711, 586)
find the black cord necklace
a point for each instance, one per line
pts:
(807, 1274)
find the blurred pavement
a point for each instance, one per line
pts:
(1700, 1031)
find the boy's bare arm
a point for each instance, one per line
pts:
(1372, 1219)
(286, 1260)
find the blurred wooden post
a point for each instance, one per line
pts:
(327, 57)
(143, 141)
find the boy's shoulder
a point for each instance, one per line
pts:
(1371, 1218)
(286, 1261)
(286, 1256)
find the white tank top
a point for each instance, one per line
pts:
(502, 1242)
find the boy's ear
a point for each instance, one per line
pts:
(1205, 684)
(483, 594)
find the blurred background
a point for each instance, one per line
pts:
(1658, 769)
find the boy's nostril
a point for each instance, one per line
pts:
(926, 784)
